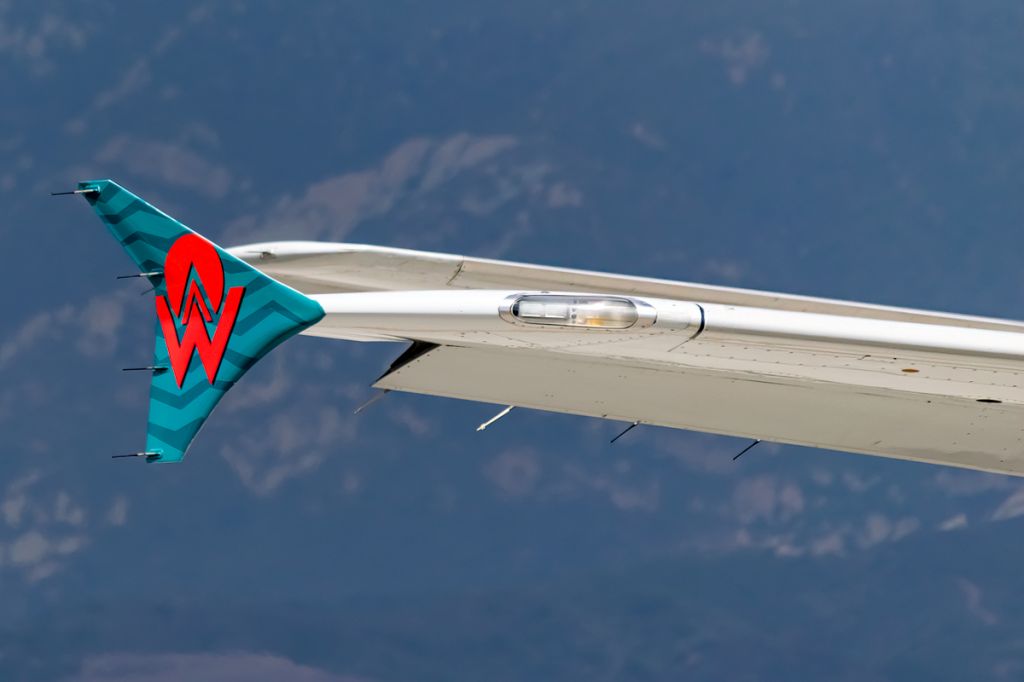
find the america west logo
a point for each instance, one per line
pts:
(194, 276)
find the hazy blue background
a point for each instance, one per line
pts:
(868, 149)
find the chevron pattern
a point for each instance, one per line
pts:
(270, 313)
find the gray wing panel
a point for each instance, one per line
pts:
(953, 431)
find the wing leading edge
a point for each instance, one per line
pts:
(324, 267)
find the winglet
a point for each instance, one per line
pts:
(208, 304)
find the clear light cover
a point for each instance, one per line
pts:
(575, 311)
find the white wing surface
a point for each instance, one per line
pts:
(855, 377)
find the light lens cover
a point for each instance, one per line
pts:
(575, 311)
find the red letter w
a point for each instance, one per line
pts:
(195, 338)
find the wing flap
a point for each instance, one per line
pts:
(913, 426)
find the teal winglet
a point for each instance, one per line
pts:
(216, 315)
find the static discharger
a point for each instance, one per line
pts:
(147, 368)
(144, 453)
(155, 273)
(374, 398)
(746, 449)
(625, 431)
(495, 418)
(88, 190)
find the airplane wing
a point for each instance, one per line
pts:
(856, 377)
(878, 380)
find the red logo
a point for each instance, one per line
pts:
(191, 303)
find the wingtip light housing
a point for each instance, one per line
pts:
(587, 311)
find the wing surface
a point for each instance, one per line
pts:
(855, 377)
(324, 267)
(901, 424)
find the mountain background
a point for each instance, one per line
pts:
(854, 149)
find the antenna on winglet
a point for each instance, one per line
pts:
(149, 368)
(746, 449)
(144, 453)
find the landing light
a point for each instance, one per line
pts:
(599, 312)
